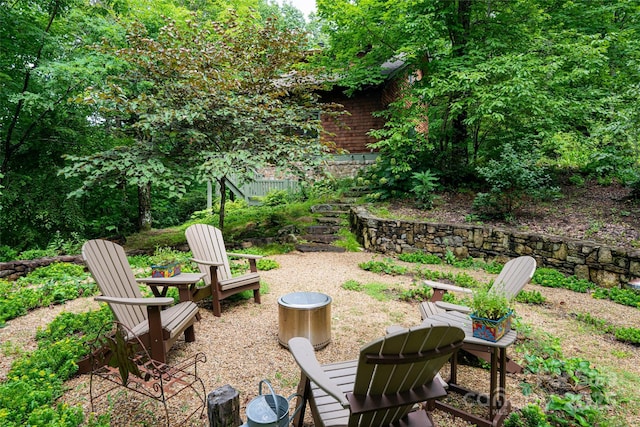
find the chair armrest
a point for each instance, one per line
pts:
(136, 301)
(305, 356)
(446, 287)
(247, 256)
(204, 262)
(453, 307)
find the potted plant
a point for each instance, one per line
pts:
(490, 315)
(164, 266)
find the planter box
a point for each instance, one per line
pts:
(168, 270)
(489, 329)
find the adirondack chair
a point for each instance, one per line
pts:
(514, 276)
(158, 329)
(381, 387)
(209, 252)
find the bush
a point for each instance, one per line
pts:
(514, 181)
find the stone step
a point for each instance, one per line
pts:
(342, 214)
(330, 207)
(322, 229)
(320, 238)
(330, 220)
(318, 247)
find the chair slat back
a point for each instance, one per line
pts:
(206, 243)
(110, 269)
(514, 276)
(414, 358)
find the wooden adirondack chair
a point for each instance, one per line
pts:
(209, 252)
(514, 276)
(158, 329)
(392, 374)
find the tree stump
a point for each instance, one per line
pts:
(223, 407)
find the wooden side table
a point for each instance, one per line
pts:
(185, 282)
(499, 406)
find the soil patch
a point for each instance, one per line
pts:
(604, 214)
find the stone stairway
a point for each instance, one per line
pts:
(318, 237)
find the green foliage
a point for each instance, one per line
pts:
(424, 185)
(449, 257)
(528, 416)
(378, 291)
(417, 293)
(44, 286)
(571, 409)
(554, 279)
(531, 297)
(266, 264)
(352, 285)
(37, 253)
(622, 296)
(514, 180)
(218, 124)
(35, 380)
(386, 266)
(7, 253)
(246, 295)
(166, 255)
(420, 257)
(490, 305)
(629, 335)
(348, 241)
(276, 197)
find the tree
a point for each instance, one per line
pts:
(42, 63)
(206, 101)
(486, 73)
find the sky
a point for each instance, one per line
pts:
(305, 6)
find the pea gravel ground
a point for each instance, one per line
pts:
(242, 346)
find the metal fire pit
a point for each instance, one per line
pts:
(305, 314)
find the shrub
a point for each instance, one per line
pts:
(514, 180)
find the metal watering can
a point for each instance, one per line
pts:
(269, 410)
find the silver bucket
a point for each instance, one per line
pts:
(270, 410)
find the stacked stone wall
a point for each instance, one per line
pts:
(604, 265)
(14, 269)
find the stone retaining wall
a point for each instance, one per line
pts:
(14, 269)
(604, 265)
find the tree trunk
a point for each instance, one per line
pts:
(223, 201)
(459, 40)
(144, 207)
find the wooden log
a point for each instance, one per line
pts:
(223, 407)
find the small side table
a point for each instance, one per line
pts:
(498, 405)
(305, 314)
(185, 282)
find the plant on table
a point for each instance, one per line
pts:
(490, 314)
(165, 263)
(490, 305)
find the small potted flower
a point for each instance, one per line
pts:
(490, 315)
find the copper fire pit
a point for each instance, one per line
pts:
(305, 314)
